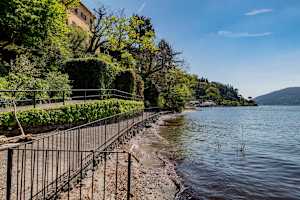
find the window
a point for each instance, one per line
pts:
(83, 16)
(76, 10)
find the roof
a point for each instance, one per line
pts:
(82, 4)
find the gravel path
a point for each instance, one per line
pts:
(33, 169)
(153, 175)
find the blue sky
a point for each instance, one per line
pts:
(251, 44)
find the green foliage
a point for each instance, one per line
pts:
(124, 38)
(37, 27)
(125, 56)
(125, 81)
(58, 81)
(70, 114)
(176, 98)
(129, 81)
(4, 68)
(130, 34)
(141, 33)
(178, 90)
(78, 41)
(90, 73)
(230, 103)
(151, 95)
(70, 3)
(140, 87)
(30, 23)
(26, 74)
(221, 94)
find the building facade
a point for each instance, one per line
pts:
(81, 16)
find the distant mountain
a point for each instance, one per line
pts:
(288, 96)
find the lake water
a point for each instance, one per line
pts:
(248, 153)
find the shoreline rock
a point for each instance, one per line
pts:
(156, 171)
(153, 174)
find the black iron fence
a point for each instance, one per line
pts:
(63, 164)
(43, 97)
(65, 174)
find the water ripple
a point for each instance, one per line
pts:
(239, 153)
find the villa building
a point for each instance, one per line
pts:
(81, 16)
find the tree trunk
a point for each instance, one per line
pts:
(18, 122)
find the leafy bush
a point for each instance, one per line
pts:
(176, 98)
(151, 95)
(30, 23)
(139, 86)
(26, 74)
(58, 81)
(178, 90)
(125, 81)
(230, 103)
(69, 114)
(21, 82)
(90, 73)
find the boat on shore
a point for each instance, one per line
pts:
(208, 103)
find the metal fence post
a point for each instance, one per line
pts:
(118, 118)
(105, 133)
(129, 177)
(9, 173)
(78, 145)
(84, 95)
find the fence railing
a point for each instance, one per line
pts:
(42, 97)
(64, 163)
(66, 174)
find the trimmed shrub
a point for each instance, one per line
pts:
(90, 73)
(151, 95)
(125, 81)
(69, 114)
(139, 86)
(129, 81)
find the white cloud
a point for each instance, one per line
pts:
(141, 8)
(242, 34)
(259, 11)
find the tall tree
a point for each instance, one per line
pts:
(164, 59)
(70, 3)
(78, 41)
(29, 23)
(34, 26)
(100, 30)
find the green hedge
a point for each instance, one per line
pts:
(129, 81)
(90, 73)
(125, 81)
(151, 95)
(140, 86)
(69, 114)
